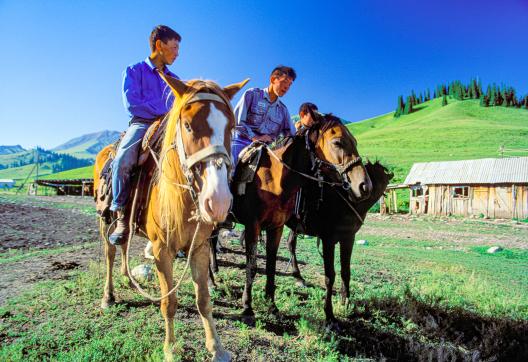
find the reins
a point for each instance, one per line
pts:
(341, 169)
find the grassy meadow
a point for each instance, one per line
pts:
(422, 288)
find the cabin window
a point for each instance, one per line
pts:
(417, 191)
(460, 192)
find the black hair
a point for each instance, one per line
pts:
(281, 70)
(306, 107)
(163, 33)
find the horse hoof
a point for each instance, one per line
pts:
(222, 356)
(273, 310)
(345, 301)
(300, 283)
(248, 318)
(168, 356)
(333, 327)
(107, 302)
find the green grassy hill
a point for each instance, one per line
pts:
(461, 130)
(20, 173)
(82, 172)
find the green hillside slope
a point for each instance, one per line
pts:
(20, 173)
(82, 172)
(461, 130)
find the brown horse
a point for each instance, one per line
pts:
(189, 194)
(335, 218)
(326, 153)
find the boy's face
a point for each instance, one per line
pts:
(306, 119)
(281, 84)
(169, 51)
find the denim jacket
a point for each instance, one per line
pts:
(255, 115)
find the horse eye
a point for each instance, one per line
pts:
(188, 127)
(337, 143)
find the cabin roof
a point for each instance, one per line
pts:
(483, 171)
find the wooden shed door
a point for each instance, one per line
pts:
(502, 202)
(480, 201)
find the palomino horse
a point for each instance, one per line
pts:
(326, 153)
(334, 218)
(189, 194)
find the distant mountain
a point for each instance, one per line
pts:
(88, 145)
(8, 150)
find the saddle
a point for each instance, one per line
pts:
(103, 193)
(246, 167)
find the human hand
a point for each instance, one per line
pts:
(263, 138)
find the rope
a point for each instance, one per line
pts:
(320, 180)
(351, 208)
(134, 282)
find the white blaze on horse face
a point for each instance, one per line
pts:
(215, 198)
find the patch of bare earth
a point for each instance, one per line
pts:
(32, 227)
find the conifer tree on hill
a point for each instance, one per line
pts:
(400, 107)
(444, 100)
(408, 106)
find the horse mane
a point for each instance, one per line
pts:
(324, 123)
(380, 178)
(170, 173)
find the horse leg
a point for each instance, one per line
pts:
(123, 259)
(164, 261)
(108, 294)
(273, 237)
(292, 247)
(345, 247)
(242, 238)
(251, 236)
(328, 257)
(200, 274)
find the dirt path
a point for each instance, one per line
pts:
(62, 240)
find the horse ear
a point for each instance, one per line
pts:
(178, 87)
(316, 116)
(233, 89)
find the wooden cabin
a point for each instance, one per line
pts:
(490, 187)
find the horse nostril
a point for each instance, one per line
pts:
(364, 188)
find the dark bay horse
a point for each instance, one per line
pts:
(189, 194)
(336, 219)
(327, 152)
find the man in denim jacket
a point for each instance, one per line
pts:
(260, 115)
(146, 98)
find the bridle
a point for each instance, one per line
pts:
(217, 153)
(318, 163)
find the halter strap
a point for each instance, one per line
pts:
(187, 162)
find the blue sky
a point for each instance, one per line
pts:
(62, 61)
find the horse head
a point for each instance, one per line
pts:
(337, 148)
(195, 151)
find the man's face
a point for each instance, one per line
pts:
(169, 51)
(281, 84)
(306, 119)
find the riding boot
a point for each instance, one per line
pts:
(120, 234)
